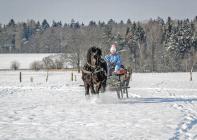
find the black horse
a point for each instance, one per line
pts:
(94, 72)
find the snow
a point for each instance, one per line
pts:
(24, 60)
(160, 106)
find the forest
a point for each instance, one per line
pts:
(154, 45)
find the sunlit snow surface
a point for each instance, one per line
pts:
(161, 106)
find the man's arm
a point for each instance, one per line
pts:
(107, 58)
(118, 62)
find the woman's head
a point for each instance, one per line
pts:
(113, 49)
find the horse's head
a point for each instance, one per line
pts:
(94, 56)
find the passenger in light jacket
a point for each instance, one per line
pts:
(113, 60)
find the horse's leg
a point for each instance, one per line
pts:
(98, 87)
(87, 87)
(102, 88)
(104, 84)
(92, 88)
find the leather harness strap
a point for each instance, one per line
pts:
(85, 71)
(90, 65)
(95, 69)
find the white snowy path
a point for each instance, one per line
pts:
(160, 107)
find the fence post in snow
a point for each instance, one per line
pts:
(75, 77)
(191, 73)
(31, 79)
(72, 76)
(20, 77)
(47, 76)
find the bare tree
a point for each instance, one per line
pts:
(192, 61)
(76, 48)
(154, 40)
(15, 65)
(36, 65)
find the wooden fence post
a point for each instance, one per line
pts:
(72, 76)
(191, 73)
(47, 76)
(31, 79)
(20, 77)
(75, 77)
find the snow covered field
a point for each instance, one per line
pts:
(24, 60)
(162, 106)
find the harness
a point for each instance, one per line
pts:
(91, 65)
(96, 69)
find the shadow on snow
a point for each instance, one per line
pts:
(157, 100)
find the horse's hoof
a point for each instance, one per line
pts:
(87, 97)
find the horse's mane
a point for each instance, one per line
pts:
(91, 50)
(99, 52)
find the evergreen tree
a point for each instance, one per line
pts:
(101, 24)
(129, 21)
(74, 24)
(27, 31)
(11, 23)
(45, 24)
(119, 40)
(92, 23)
(111, 22)
(134, 41)
(0, 26)
(56, 24)
(38, 26)
(160, 20)
(107, 38)
(121, 22)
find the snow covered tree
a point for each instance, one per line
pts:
(135, 38)
(181, 43)
(56, 24)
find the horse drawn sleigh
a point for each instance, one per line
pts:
(119, 81)
(96, 76)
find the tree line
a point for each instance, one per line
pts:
(156, 45)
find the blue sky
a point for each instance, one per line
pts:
(86, 10)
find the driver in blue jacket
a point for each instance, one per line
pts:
(113, 60)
